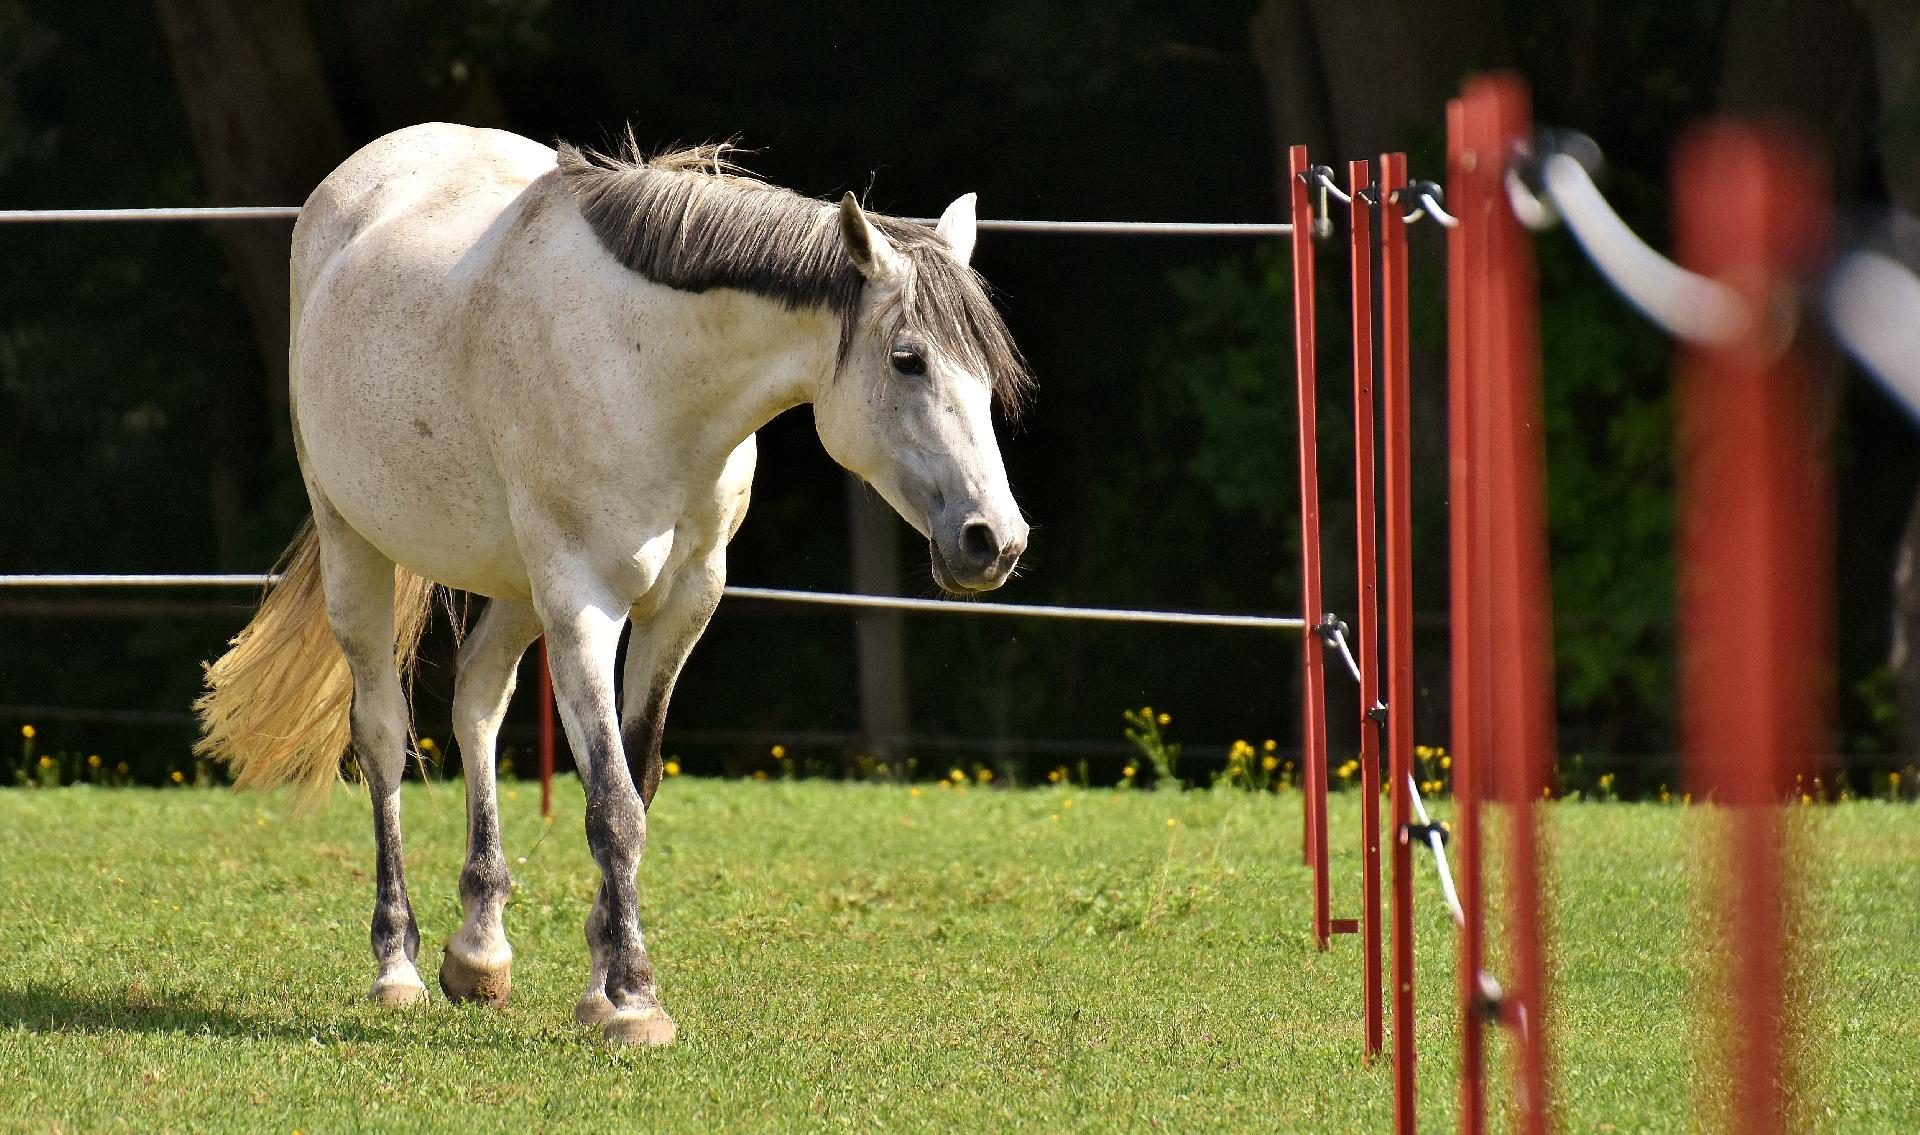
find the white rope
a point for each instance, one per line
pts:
(1439, 846)
(287, 213)
(772, 594)
(227, 213)
(1685, 304)
(1873, 304)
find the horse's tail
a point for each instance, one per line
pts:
(278, 703)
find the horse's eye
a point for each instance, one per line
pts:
(909, 361)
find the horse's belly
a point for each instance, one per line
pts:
(389, 443)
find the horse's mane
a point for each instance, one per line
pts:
(691, 219)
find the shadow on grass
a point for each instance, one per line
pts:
(49, 1009)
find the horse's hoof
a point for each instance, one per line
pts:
(399, 994)
(649, 1027)
(593, 1008)
(461, 981)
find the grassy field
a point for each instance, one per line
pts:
(870, 957)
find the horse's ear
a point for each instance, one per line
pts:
(872, 253)
(958, 226)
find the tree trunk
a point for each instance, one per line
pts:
(1895, 30)
(264, 126)
(880, 636)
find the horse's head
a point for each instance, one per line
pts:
(911, 409)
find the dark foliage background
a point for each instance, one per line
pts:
(138, 429)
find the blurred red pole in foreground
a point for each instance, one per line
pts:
(1756, 540)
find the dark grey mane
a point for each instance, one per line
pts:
(693, 220)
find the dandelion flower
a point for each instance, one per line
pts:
(121, 768)
(1055, 817)
(1129, 772)
(1269, 763)
(1067, 803)
(956, 775)
(28, 732)
(47, 762)
(1054, 776)
(178, 777)
(760, 774)
(1423, 751)
(1172, 823)
(672, 768)
(913, 792)
(1269, 744)
(1446, 762)
(779, 752)
(427, 745)
(1165, 719)
(984, 775)
(93, 761)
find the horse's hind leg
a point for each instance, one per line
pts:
(359, 586)
(478, 962)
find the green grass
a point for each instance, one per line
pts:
(855, 956)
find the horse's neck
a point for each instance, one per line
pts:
(724, 362)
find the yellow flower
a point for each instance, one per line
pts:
(93, 761)
(1172, 823)
(1055, 817)
(672, 768)
(427, 745)
(1128, 772)
(956, 775)
(1269, 763)
(46, 762)
(984, 775)
(760, 774)
(1067, 803)
(914, 792)
(1423, 751)
(178, 776)
(1165, 719)
(1055, 775)
(1269, 744)
(121, 768)
(27, 731)
(779, 752)
(1446, 762)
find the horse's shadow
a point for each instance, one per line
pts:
(49, 1009)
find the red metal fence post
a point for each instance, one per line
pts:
(1395, 412)
(1522, 734)
(1313, 756)
(1756, 541)
(1366, 624)
(546, 732)
(1464, 303)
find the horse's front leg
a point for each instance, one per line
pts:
(656, 651)
(583, 624)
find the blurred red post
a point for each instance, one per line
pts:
(1756, 542)
(1366, 625)
(1313, 754)
(546, 732)
(1396, 414)
(1521, 737)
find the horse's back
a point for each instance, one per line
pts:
(415, 175)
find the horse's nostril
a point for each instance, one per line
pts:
(978, 545)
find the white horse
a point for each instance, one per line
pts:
(536, 376)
